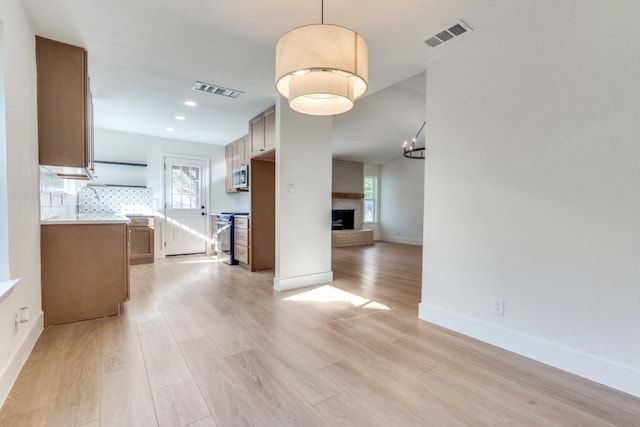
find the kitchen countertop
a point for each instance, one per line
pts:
(93, 218)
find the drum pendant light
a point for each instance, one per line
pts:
(321, 69)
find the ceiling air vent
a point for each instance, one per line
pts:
(450, 33)
(216, 90)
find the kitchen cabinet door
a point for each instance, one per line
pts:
(241, 231)
(85, 271)
(239, 148)
(262, 132)
(65, 131)
(142, 244)
(256, 133)
(236, 154)
(228, 161)
(270, 129)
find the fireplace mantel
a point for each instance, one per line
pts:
(347, 195)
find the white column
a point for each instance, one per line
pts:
(303, 199)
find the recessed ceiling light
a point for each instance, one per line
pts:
(190, 103)
(169, 129)
(179, 117)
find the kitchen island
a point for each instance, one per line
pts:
(85, 266)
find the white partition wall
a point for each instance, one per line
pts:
(402, 200)
(532, 190)
(22, 193)
(303, 199)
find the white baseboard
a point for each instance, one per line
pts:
(620, 377)
(9, 376)
(288, 283)
(406, 241)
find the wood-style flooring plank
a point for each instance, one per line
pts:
(79, 381)
(121, 344)
(231, 396)
(202, 343)
(344, 410)
(283, 398)
(126, 399)
(205, 422)
(35, 386)
(177, 399)
(385, 400)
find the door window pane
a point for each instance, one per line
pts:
(185, 187)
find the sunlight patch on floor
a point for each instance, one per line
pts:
(328, 293)
(200, 261)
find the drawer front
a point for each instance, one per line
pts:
(141, 221)
(241, 222)
(241, 237)
(241, 253)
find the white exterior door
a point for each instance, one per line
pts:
(185, 185)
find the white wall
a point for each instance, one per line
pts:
(374, 170)
(303, 212)
(402, 201)
(532, 190)
(134, 148)
(4, 206)
(22, 193)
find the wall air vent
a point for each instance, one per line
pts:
(216, 90)
(450, 33)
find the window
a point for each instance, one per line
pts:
(370, 199)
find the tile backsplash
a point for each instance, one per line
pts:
(99, 199)
(57, 195)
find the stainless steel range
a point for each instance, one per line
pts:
(224, 236)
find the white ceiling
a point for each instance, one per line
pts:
(144, 56)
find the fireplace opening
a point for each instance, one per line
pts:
(342, 219)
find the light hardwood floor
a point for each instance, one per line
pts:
(205, 344)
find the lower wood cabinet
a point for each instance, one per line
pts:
(85, 271)
(241, 239)
(141, 236)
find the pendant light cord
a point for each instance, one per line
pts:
(322, 11)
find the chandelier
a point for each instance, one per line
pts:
(410, 151)
(321, 68)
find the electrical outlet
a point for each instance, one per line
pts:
(497, 306)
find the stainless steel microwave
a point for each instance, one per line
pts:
(241, 177)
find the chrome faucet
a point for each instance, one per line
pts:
(94, 191)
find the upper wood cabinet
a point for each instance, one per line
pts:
(235, 154)
(65, 114)
(241, 155)
(270, 129)
(262, 132)
(228, 164)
